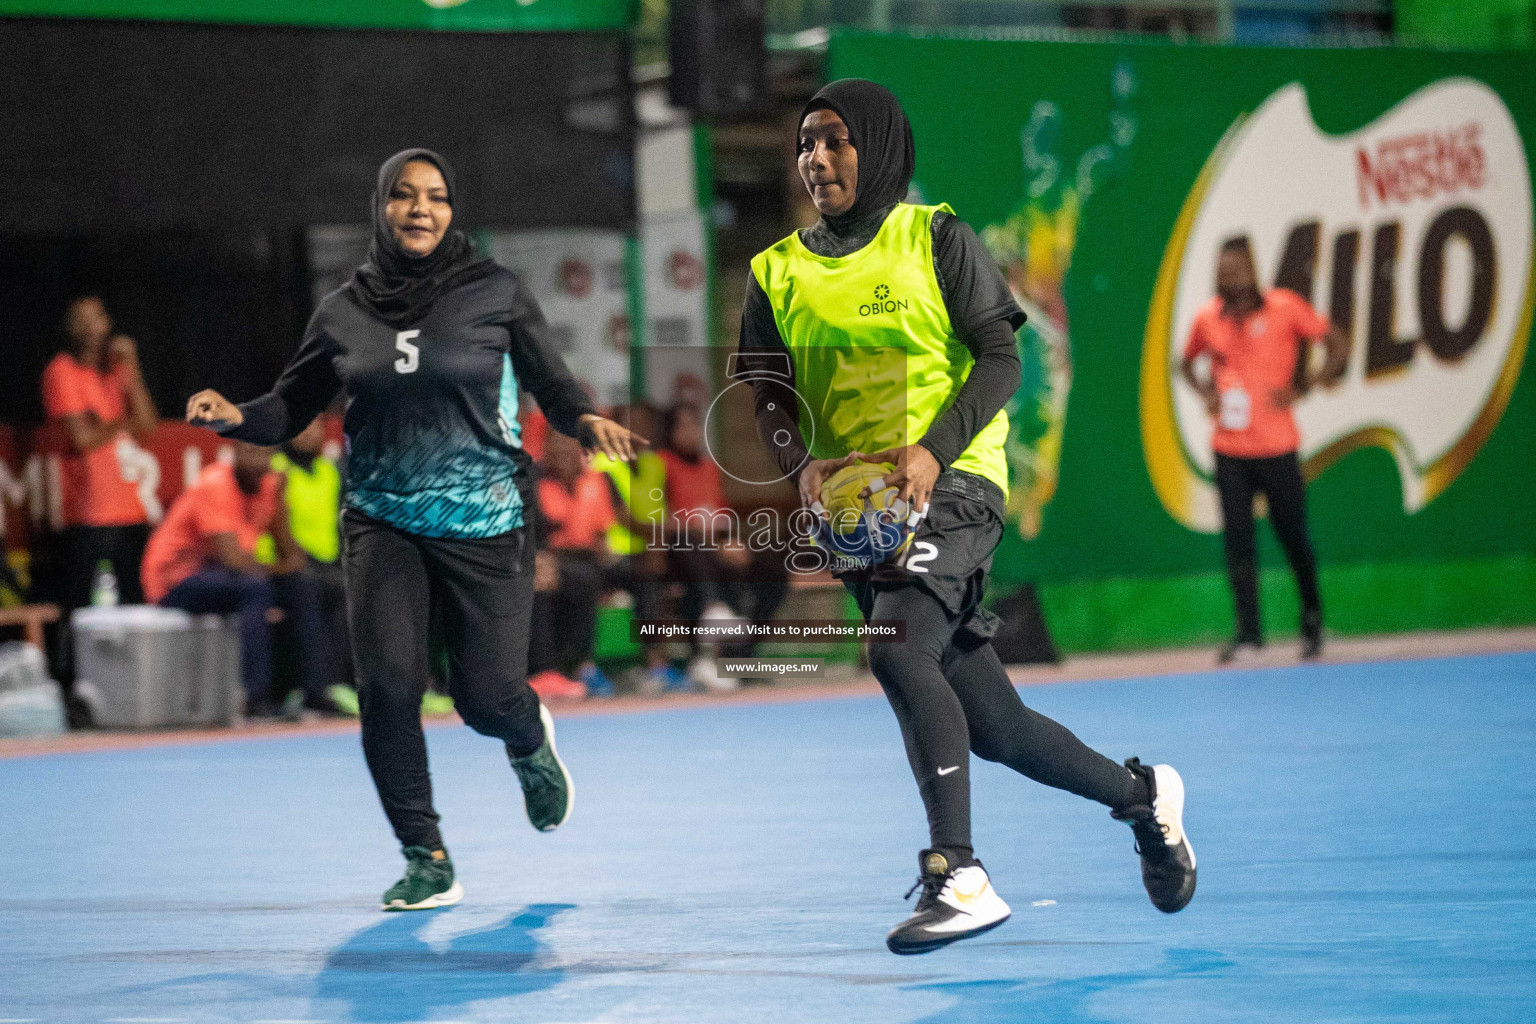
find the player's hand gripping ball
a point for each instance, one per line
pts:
(870, 528)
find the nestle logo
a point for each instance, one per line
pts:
(1422, 165)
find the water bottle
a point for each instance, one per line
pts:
(104, 590)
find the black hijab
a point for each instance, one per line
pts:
(394, 285)
(880, 132)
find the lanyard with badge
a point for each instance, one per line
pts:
(1236, 409)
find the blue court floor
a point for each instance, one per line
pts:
(1366, 839)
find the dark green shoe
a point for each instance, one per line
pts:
(548, 792)
(427, 884)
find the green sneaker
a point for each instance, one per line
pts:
(344, 699)
(427, 883)
(434, 703)
(293, 707)
(548, 792)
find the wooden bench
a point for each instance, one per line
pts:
(817, 581)
(822, 597)
(31, 618)
(818, 596)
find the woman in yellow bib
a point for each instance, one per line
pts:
(898, 329)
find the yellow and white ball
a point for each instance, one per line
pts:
(865, 518)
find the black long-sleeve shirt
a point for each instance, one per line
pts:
(981, 310)
(432, 436)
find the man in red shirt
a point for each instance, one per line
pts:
(724, 577)
(95, 390)
(575, 511)
(202, 559)
(693, 478)
(1258, 346)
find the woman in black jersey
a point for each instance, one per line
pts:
(882, 309)
(430, 345)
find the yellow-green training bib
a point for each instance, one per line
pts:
(314, 509)
(876, 358)
(314, 505)
(642, 488)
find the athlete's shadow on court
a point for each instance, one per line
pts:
(389, 973)
(1065, 1001)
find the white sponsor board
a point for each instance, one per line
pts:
(1412, 233)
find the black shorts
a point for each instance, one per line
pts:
(949, 556)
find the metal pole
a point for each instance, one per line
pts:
(1225, 20)
(880, 15)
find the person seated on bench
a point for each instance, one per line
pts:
(313, 493)
(725, 579)
(201, 559)
(637, 490)
(573, 569)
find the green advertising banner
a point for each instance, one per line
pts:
(458, 15)
(1392, 188)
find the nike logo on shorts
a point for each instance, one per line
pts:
(946, 771)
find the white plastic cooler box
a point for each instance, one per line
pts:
(154, 667)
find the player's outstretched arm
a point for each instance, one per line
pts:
(306, 387)
(208, 408)
(612, 439)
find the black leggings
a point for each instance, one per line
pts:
(483, 593)
(1279, 480)
(952, 697)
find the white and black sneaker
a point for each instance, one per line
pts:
(957, 903)
(1167, 859)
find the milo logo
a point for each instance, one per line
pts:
(883, 302)
(1413, 234)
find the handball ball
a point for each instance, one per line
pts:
(870, 527)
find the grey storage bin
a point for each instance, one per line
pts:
(152, 667)
(217, 698)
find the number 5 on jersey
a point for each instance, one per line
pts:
(408, 362)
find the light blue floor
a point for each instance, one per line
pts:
(1366, 839)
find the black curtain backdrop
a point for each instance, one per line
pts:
(172, 169)
(207, 308)
(162, 125)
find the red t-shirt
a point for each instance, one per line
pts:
(1251, 361)
(183, 543)
(692, 486)
(579, 517)
(97, 491)
(535, 428)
